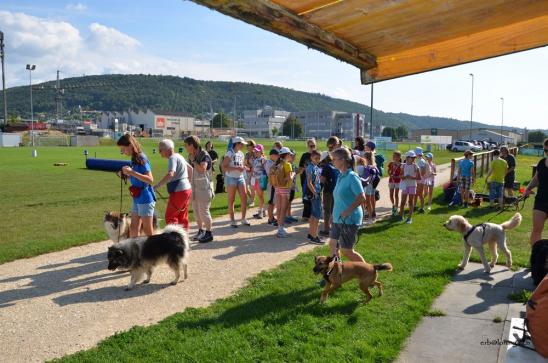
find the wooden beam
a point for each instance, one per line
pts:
(508, 39)
(269, 16)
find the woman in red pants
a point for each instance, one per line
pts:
(178, 184)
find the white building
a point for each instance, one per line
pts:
(155, 124)
(322, 124)
(260, 123)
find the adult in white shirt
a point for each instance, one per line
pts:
(233, 168)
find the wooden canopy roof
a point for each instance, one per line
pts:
(386, 39)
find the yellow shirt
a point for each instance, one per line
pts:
(288, 169)
(498, 170)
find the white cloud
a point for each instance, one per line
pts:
(79, 7)
(108, 39)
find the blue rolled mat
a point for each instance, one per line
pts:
(106, 164)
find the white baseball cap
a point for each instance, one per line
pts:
(324, 155)
(239, 139)
(285, 150)
(410, 154)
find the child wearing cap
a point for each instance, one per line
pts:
(258, 173)
(430, 176)
(274, 155)
(283, 190)
(394, 179)
(423, 169)
(408, 185)
(233, 167)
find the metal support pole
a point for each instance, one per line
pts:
(471, 106)
(371, 115)
(2, 54)
(501, 120)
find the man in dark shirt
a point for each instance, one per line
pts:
(303, 163)
(510, 173)
(328, 177)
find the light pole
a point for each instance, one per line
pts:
(371, 115)
(3, 79)
(501, 118)
(30, 68)
(471, 105)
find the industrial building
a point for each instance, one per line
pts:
(491, 134)
(260, 123)
(322, 124)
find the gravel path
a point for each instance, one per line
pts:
(59, 303)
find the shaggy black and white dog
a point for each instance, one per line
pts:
(140, 255)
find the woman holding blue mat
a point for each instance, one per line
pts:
(141, 190)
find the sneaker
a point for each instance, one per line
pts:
(394, 211)
(264, 213)
(206, 237)
(309, 236)
(271, 221)
(244, 222)
(292, 219)
(401, 219)
(275, 223)
(409, 221)
(421, 211)
(258, 215)
(368, 222)
(374, 214)
(373, 220)
(324, 233)
(429, 208)
(316, 240)
(282, 233)
(287, 220)
(465, 205)
(251, 205)
(233, 224)
(198, 235)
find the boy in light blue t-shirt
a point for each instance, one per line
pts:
(466, 176)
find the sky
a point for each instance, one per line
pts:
(176, 37)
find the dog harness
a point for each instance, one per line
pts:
(328, 272)
(482, 225)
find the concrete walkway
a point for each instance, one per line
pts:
(59, 303)
(467, 332)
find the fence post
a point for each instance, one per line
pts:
(452, 169)
(475, 165)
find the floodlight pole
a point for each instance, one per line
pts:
(501, 119)
(3, 79)
(371, 115)
(471, 105)
(30, 68)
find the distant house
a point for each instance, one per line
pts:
(157, 124)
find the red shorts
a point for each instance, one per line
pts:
(177, 208)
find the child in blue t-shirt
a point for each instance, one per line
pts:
(466, 175)
(314, 186)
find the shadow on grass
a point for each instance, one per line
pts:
(275, 309)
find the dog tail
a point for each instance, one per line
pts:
(383, 266)
(174, 228)
(514, 222)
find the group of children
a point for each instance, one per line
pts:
(414, 176)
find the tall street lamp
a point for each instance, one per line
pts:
(30, 68)
(471, 105)
(3, 79)
(501, 118)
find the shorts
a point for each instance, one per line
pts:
(509, 181)
(409, 190)
(271, 196)
(346, 234)
(327, 206)
(283, 192)
(316, 203)
(257, 184)
(495, 190)
(465, 182)
(232, 181)
(541, 206)
(430, 181)
(421, 182)
(369, 190)
(143, 210)
(394, 185)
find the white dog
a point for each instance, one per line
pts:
(476, 236)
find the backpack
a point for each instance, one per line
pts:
(277, 175)
(537, 318)
(379, 160)
(376, 178)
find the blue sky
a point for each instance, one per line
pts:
(181, 38)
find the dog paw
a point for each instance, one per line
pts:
(487, 271)
(460, 268)
(492, 264)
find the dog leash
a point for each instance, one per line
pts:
(521, 199)
(122, 179)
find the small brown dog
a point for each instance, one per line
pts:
(337, 273)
